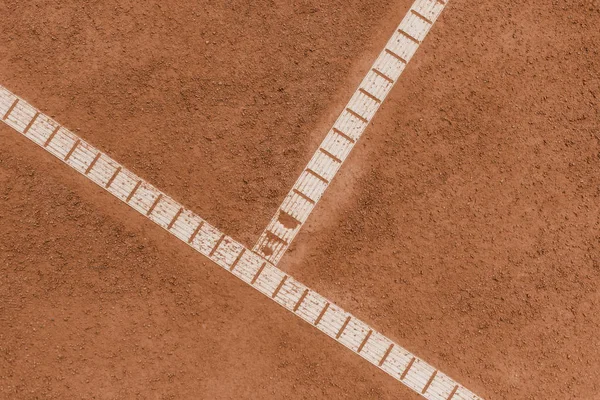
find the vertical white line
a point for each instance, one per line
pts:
(358, 113)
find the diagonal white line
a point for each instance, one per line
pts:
(226, 252)
(349, 127)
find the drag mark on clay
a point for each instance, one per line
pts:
(348, 128)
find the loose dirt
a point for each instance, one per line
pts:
(98, 303)
(217, 104)
(466, 225)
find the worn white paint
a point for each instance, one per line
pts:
(347, 130)
(250, 267)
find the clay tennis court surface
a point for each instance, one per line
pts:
(465, 224)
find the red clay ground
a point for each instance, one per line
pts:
(96, 302)
(466, 225)
(220, 104)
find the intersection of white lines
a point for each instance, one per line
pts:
(257, 267)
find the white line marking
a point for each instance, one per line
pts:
(226, 252)
(360, 110)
